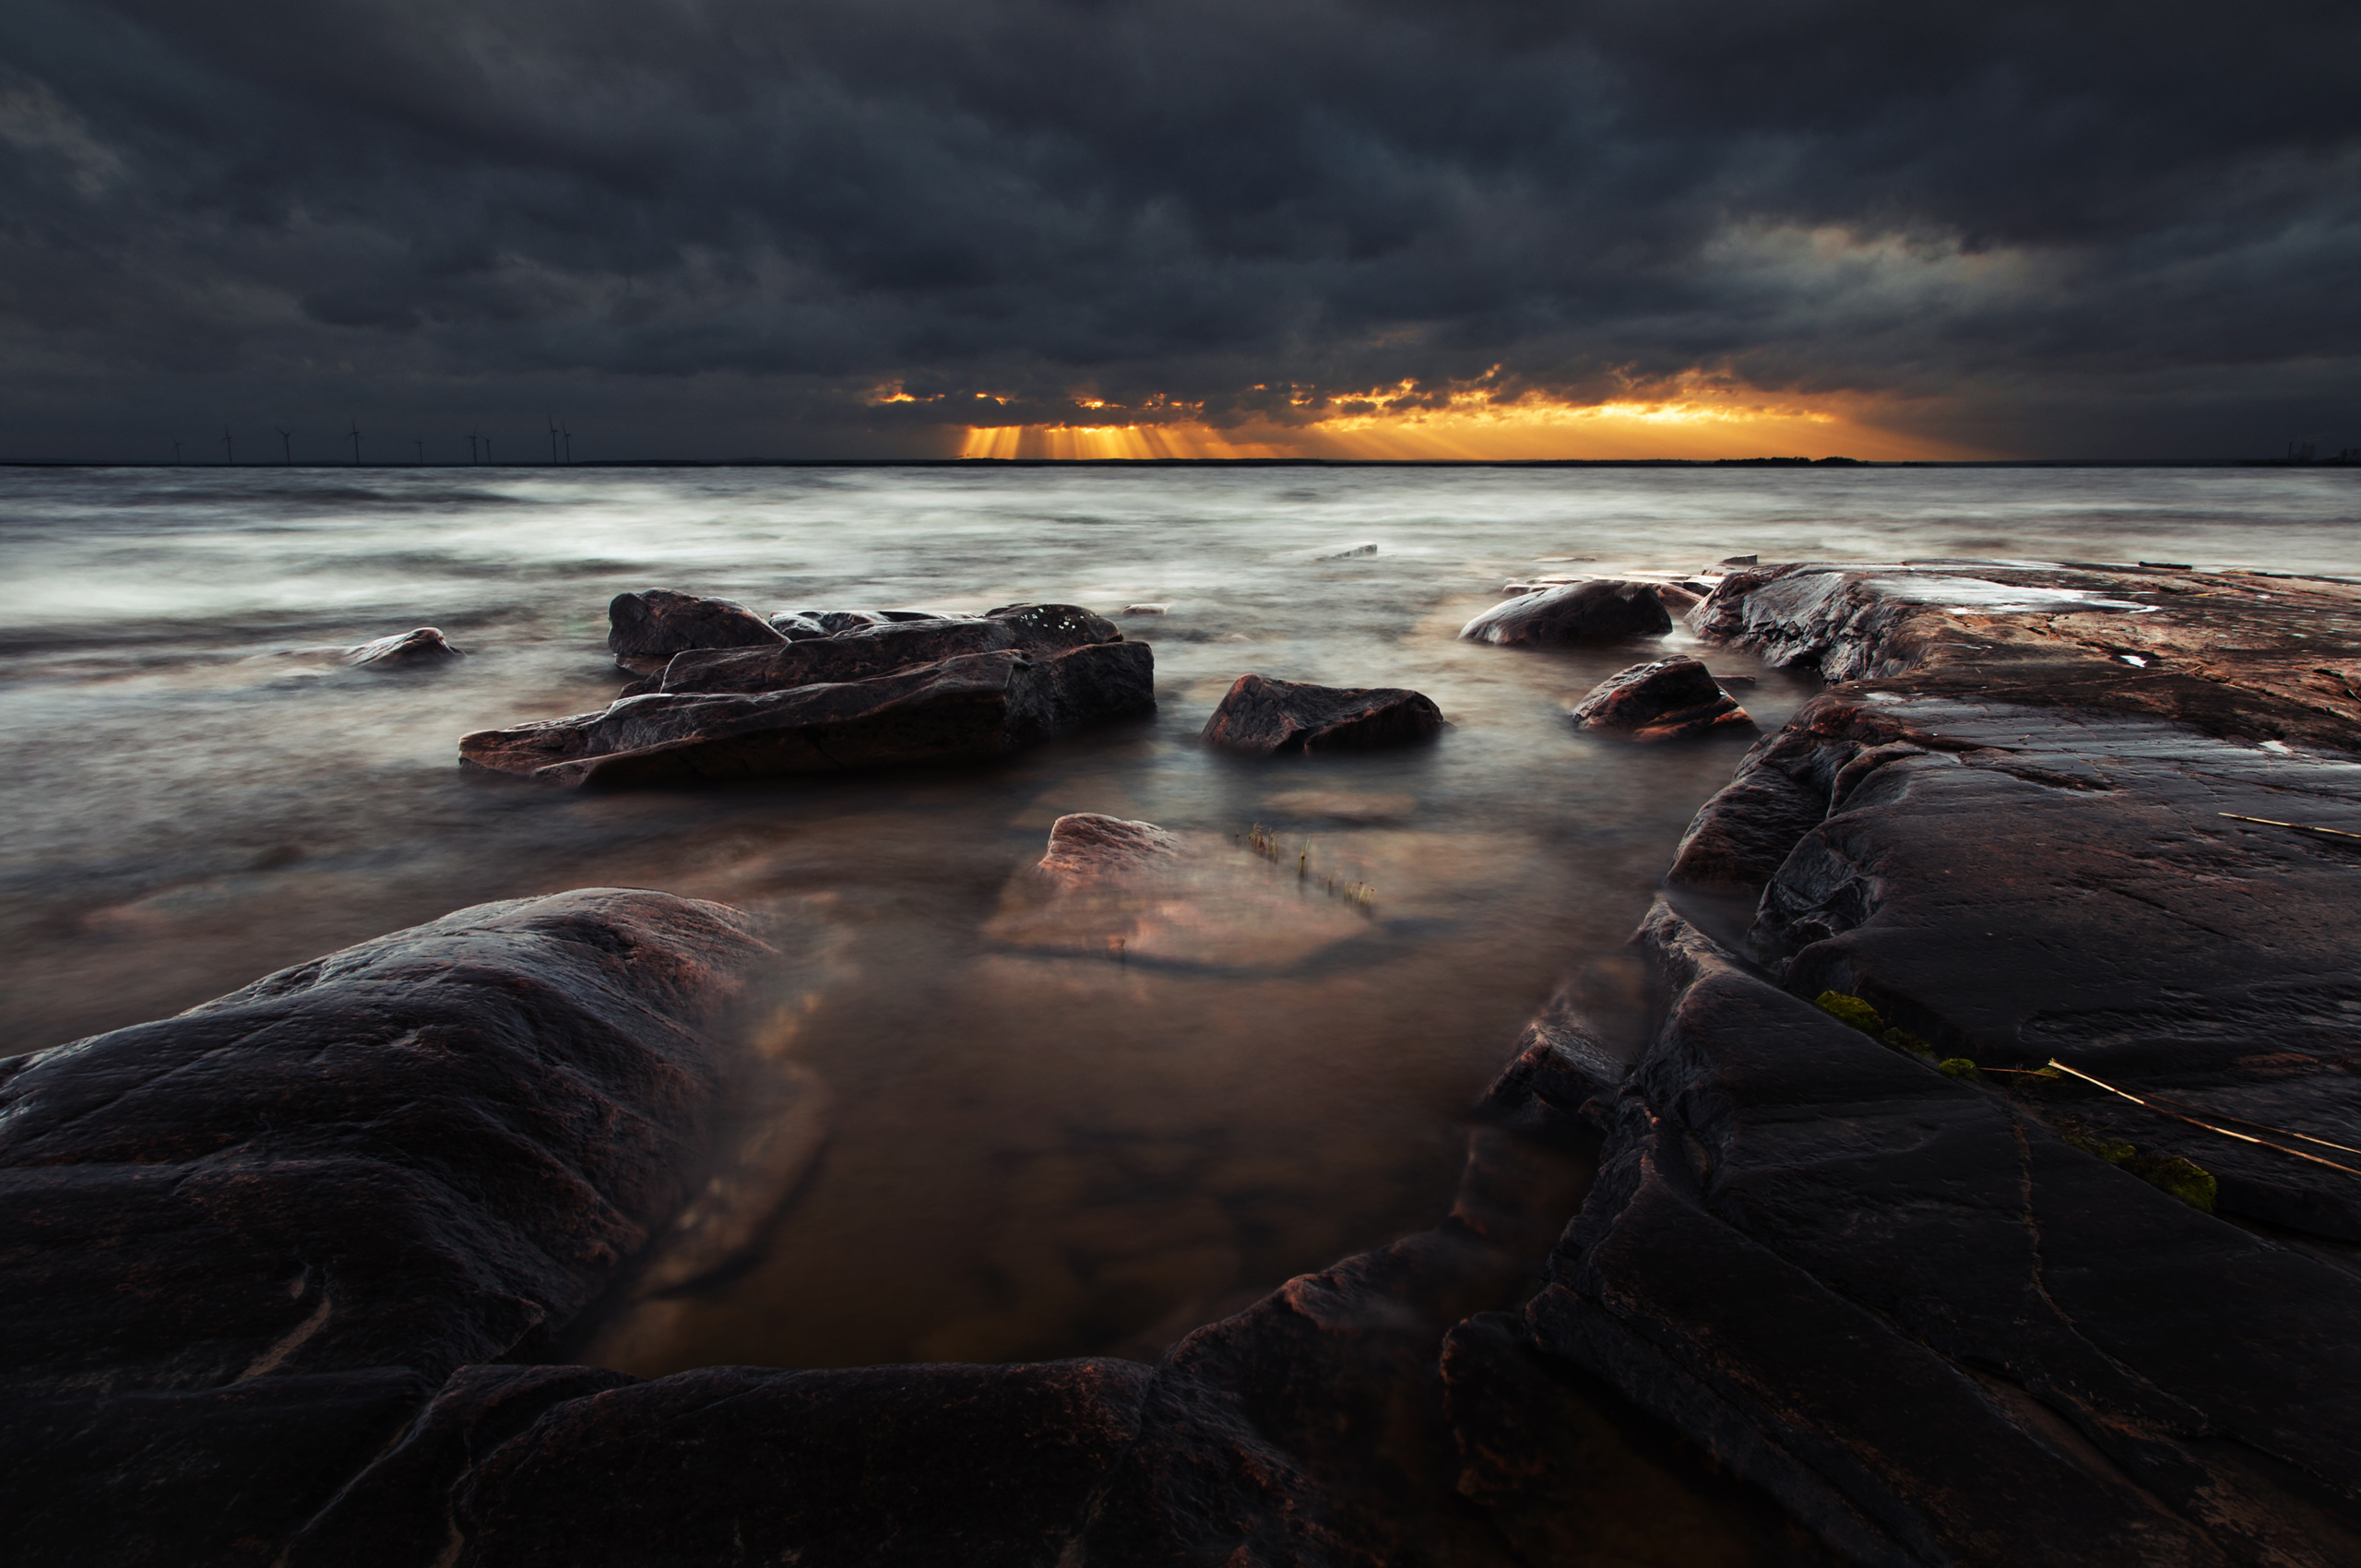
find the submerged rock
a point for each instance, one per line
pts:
(1600, 610)
(1131, 892)
(644, 630)
(962, 709)
(857, 653)
(1659, 701)
(1085, 846)
(1262, 717)
(426, 646)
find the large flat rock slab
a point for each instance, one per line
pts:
(969, 708)
(857, 653)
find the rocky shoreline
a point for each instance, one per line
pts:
(1824, 1262)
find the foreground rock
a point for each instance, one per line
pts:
(966, 709)
(239, 1247)
(1261, 716)
(1600, 610)
(644, 630)
(576, 1467)
(857, 653)
(1662, 701)
(2005, 845)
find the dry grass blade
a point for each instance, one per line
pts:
(2298, 827)
(2225, 1131)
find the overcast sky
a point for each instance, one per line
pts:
(739, 228)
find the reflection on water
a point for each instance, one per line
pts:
(976, 1125)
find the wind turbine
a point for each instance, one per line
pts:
(487, 449)
(286, 446)
(420, 442)
(568, 436)
(356, 443)
(471, 446)
(229, 453)
(176, 452)
(553, 440)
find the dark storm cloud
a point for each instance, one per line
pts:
(726, 225)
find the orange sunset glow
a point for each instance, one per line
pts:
(1698, 421)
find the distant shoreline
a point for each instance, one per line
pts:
(1234, 463)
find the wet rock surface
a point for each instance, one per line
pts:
(2001, 844)
(962, 709)
(1667, 699)
(1262, 717)
(859, 652)
(1600, 610)
(644, 630)
(1851, 1275)
(886, 1465)
(241, 1246)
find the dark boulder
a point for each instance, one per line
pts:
(644, 630)
(1898, 1301)
(415, 1152)
(1262, 717)
(1659, 701)
(424, 648)
(857, 653)
(964, 709)
(240, 1246)
(917, 1465)
(1600, 610)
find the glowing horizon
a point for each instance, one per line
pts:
(1694, 421)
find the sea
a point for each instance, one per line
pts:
(1009, 1149)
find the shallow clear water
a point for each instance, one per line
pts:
(1030, 1150)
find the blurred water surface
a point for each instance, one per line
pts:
(1005, 1148)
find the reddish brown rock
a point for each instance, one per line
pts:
(1662, 701)
(1086, 847)
(964, 709)
(1600, 610)
(1262, 717)
(644, 630)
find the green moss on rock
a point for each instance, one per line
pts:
(2113, 1150)
(1854, 1011)
(1911, 1045)
(1959, 1068)
(2184, 1179)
